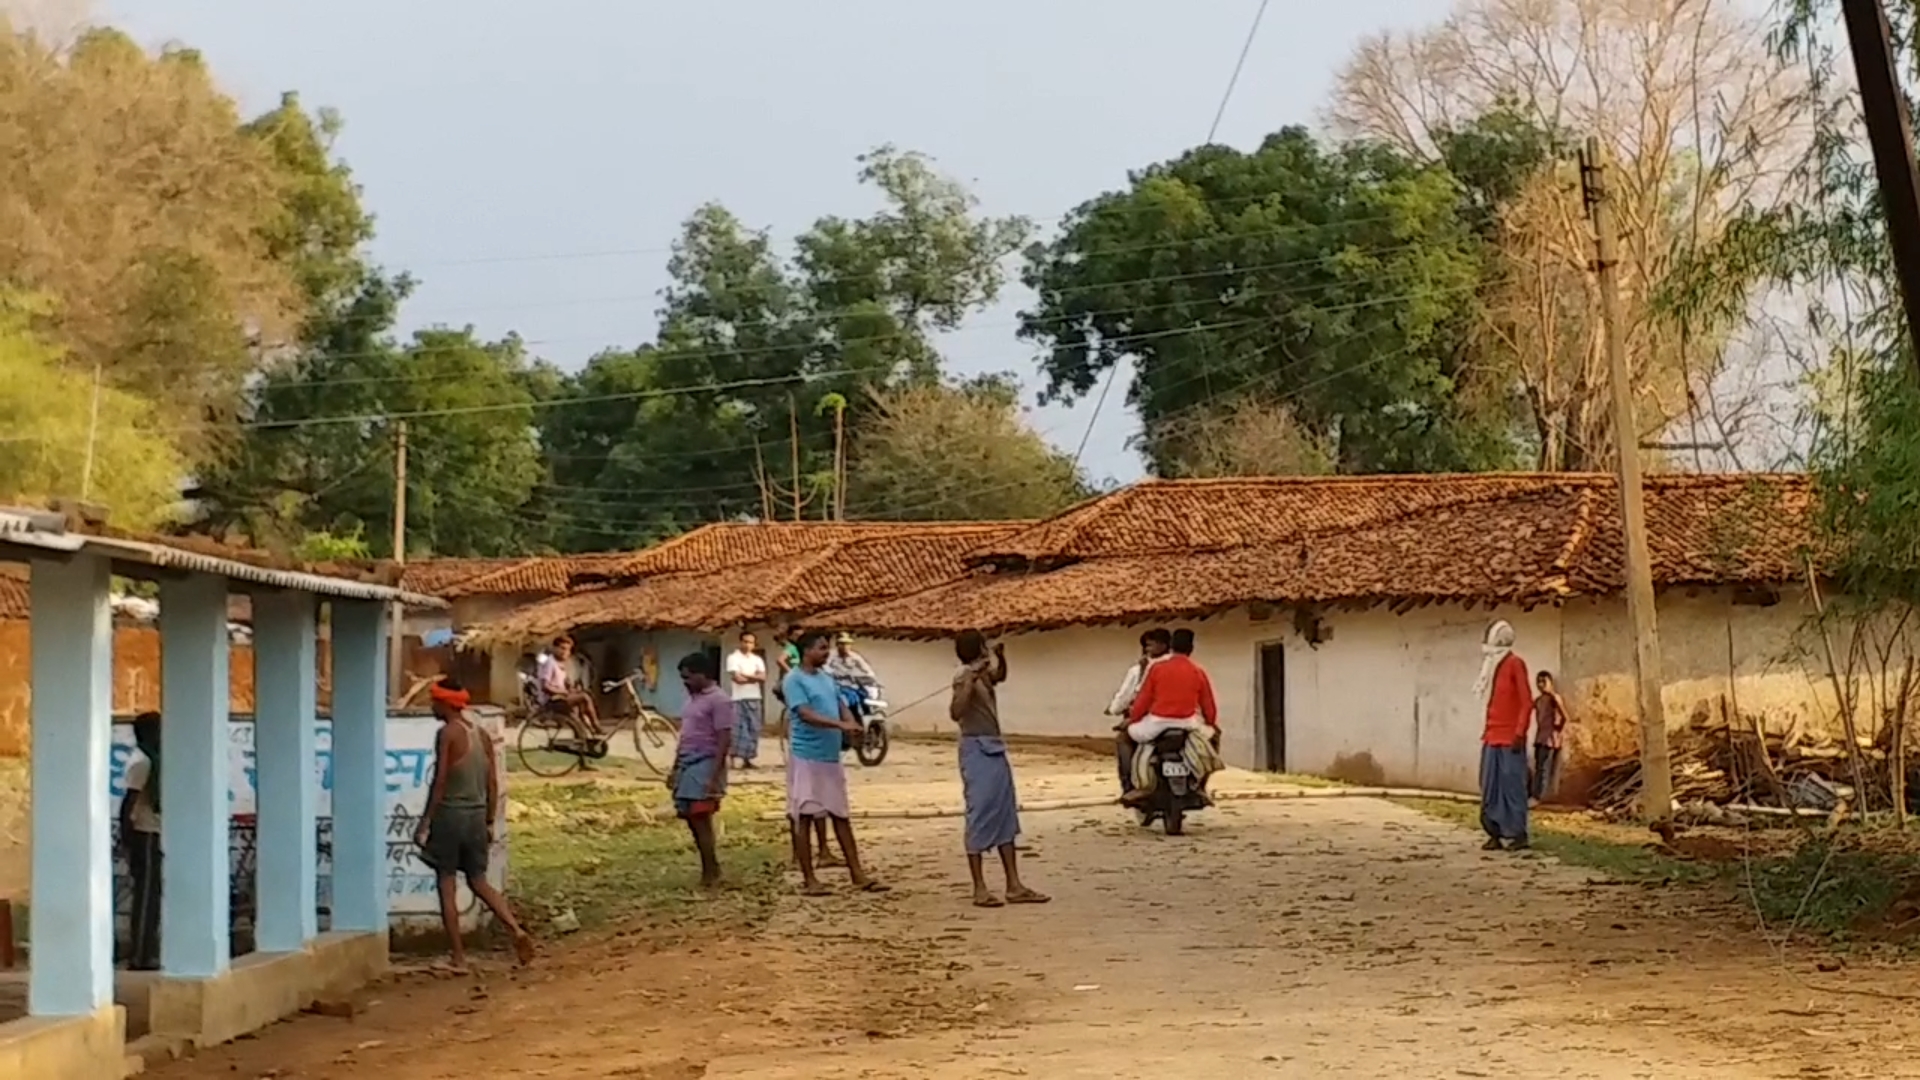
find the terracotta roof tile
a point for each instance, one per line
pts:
(519, 576)
(840, 566)
(1389, 539)
(736, 543)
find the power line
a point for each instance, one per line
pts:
(1234, 80)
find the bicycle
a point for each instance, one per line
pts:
(550, 747)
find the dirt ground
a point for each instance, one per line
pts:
(1344, 937)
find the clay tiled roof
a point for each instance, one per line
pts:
(841, 565)
(738, 543)
(1167, 548)
(518, 576)
(15, 596)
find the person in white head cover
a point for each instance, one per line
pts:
(1503, 685)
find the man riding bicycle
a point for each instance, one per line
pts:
(559, 693)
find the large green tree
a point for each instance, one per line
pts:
(721, 415)
(1327, 280)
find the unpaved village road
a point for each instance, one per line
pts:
(1334, 938)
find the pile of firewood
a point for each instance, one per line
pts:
(1731, 764)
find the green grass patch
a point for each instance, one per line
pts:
(1855, 883)
(548, 762)
(1565, 839)
(1846, 885)
(610, 851)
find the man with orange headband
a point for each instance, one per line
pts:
(456, 827)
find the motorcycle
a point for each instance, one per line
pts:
(870, 746)
(1177, 793)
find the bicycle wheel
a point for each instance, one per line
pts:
(655, 740)
(539, 749)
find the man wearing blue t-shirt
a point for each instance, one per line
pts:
(816, 780)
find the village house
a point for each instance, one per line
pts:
(478, 590)
(700, 590)
(1341, 617)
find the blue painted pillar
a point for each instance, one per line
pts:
(287, 785)
(194, 824)
(360, 766)
(72, 916)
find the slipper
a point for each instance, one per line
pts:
(523, 948)
(874, 887)
(446, 969)
(988, 901)
(816, 890)
(1028, 896)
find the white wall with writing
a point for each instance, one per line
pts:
(411, 892)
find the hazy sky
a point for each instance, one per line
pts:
(529, 162)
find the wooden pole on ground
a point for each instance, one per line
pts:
(1656, 785)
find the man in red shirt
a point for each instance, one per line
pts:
(1176, 693)
(1503, 746)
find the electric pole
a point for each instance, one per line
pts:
(1890, 131)
(1656, 770)
(397, 620)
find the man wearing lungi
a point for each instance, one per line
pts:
(1503, 746)
(746, 685)
(699, 778)
(986, 776)
(816, 779)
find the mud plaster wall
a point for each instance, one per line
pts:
(1766, 662)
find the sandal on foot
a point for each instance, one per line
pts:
(874, 887)
(1028, 896)
(988, 900)
(816, 890)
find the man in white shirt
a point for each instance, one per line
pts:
(561, 691)
(1154, 646)
(140, 839)
(746, 680)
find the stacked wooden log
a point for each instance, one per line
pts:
(1731, 764)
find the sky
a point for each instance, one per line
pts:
(530, 163)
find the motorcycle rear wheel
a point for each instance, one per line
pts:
(873, 745)
(1175, 818)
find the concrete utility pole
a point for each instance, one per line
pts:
(1890, 131)
(1656, 769)
(396, 626)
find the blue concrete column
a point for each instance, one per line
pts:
(288, 786)
(72, 916)
(359, 766)
(195, 822)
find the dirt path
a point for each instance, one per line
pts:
(1335, 938)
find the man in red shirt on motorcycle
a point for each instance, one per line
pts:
(1175, 695)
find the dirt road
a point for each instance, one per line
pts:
(1335, 938)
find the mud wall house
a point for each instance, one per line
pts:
(1341, 617)
(700, 590)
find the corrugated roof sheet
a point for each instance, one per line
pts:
(1165, 548)
(26, 531)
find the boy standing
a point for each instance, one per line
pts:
(140, 838)
(1549, 737)
(986, 776)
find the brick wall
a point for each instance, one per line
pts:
(136, 678)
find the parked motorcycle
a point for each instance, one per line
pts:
(1177, 793)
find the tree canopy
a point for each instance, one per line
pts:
(1326, 278)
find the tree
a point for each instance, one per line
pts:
(66, 436)
(956, 453)
(1327, 280)
(1700, 126)
(683, 430)
(1249, 438)
(319, 448)
(138, 206)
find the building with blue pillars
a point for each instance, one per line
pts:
(203, 993)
